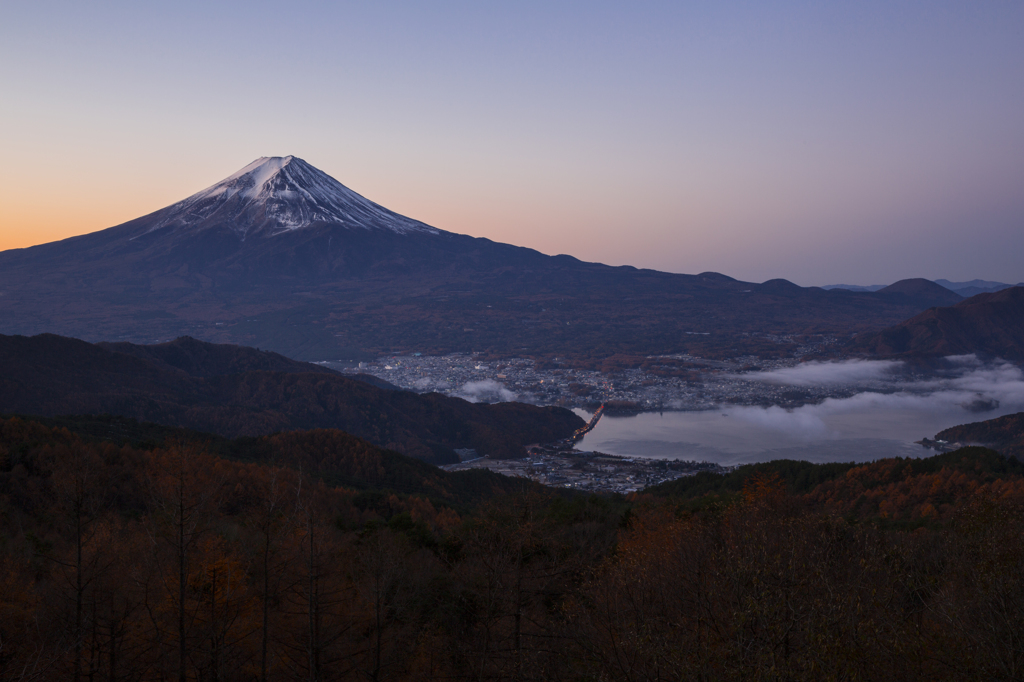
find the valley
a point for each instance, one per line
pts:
(734, 411)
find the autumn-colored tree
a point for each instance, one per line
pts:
(117, 640)
(79, 500)
(21, 655)
(185, 485)
(980, 608)
(513, 570)
(315, 606)
(269, 520)
(381, 577)
(224, 605)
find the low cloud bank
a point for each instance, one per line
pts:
(425, 384)
(485, 391)
(828, 373)
(972, 392)
(1000, 380)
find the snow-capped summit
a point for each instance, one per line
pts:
(278, 194)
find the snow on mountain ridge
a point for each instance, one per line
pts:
(278, 194)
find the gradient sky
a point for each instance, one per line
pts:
(820, 142)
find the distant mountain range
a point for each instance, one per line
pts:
(975, 286)
(991, 323)
(233, 391)
(281, 256)
(965, 289)
(854, 287)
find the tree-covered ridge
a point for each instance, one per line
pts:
(896, 489)
(52, 375)
(1005, 434)
(200, 359)
(333, 456)
(800, 477)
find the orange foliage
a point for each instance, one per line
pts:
(870, 489)
(764, 487)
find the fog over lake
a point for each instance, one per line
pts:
(882, 420)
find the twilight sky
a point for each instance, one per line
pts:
(820, 142)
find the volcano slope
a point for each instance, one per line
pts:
(235, 391)
(281, 256)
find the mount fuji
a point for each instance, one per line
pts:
(273, 195)
(282, 256)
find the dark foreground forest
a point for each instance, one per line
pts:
(317, 556)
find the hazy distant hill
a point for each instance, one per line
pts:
(918, 291)
(965, 289)
(990, 323)
(975, 286)
(223, 390)
(921, 291)
(854, 287)
(281, 256)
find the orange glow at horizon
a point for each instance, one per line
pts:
(38, 217)
(22, 226)
(22, 233)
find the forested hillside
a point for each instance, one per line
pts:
(1005, 434)
(315, 555)
(989, 324)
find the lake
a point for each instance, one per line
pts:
(866, 427)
